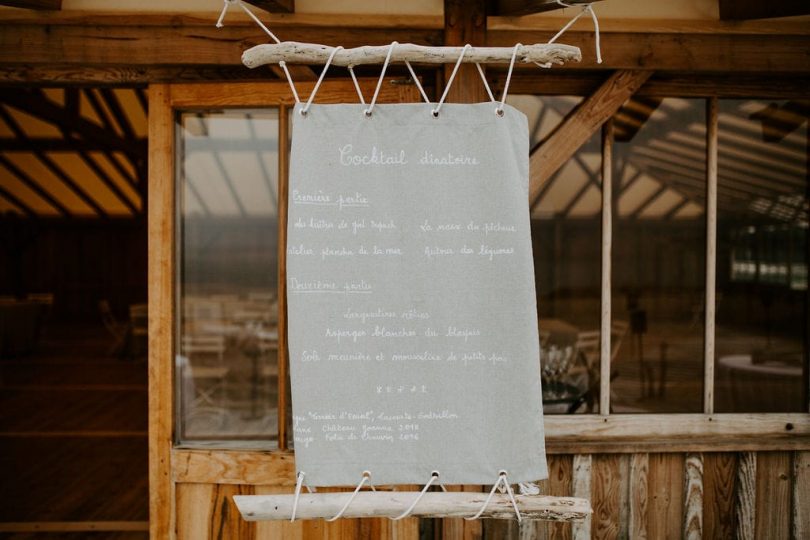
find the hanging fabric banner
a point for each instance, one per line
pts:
(412, 314)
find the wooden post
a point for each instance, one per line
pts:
(607, 243)
(465, 21)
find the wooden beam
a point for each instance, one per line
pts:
(52, 113)
(578, 127)
(514, 8)
(736, 10)
(16, 201)
(392, 503)
(465, 22)
(33, 4)
(274, 6)
(54, 144)
(33, 185)
(687, 51)
(185, 40)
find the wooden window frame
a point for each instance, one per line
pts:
(579, 434)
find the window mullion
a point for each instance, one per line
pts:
(607, 241)
(711, 254)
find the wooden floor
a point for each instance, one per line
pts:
(73, 433)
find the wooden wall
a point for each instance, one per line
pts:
(646, 495)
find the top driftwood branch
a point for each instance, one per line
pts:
(310, 53)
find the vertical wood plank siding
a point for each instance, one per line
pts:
(673, 495)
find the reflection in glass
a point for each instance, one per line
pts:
(566, 244)
(658, 255)
(227, 184)
(762, 302)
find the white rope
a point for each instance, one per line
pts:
(298, 483)
(416, 82)
(433, 476)
(366, 476)
(356, 85)
(435, 111)
(586, 8)
(283, 65)
(501, 479)
(228, 3)
(380, 81)
(305, 108)
(484, 79)
(499, 109)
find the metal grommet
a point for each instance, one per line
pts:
(499, 111)
(367, 112)
(303, 112)
(435, 113)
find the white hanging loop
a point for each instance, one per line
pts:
(298, 483)
(501, 480)
(366, 477)
(228, 3)
(499, 109)
(367, 112)
(433, 476)
(356, 85)
(435, 112)
(486, 84)
(283, 66)
(305, 108)
(416, 82)
(586, 8)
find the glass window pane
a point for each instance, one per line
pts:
(226, 352)
(566, 242)
(762, 256)
(658, 255)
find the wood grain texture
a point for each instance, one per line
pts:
(625, 494)
(693, 497)
(665, 504)
(745, 496)
(773, 495)
(711, 254)
(606, 259)
(719, 476)
(33, 4)
(606, 484)
(270, 530)
(233, 467)
(207, 511)
(581, 487)
(465, 21)
(629, 433)
(161, 316)
(639, 489)
(578, 127)
(686, 52)
(801, 495)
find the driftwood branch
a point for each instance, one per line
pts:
(310, 53)
(393, 503)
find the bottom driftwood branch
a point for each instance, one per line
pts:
(393, 503)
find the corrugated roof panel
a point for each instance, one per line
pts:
(250, 183)
(589, 204)
(636, 194)
(137, 118)
(25, 194)
(661, 205)
(202, 173)
(33, 127)
(123, 184)
(73, 165)
(49, 182)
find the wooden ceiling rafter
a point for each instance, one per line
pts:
(274, 6)
(140, 94)
(651, 198)
(34, 186)
(52, 113)
(45, 5)
(51, 165)
(518, 8)
(228, 182)
(672, 212)
(95, 104)
(189, 183)
(16, 201)
(265, 173)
